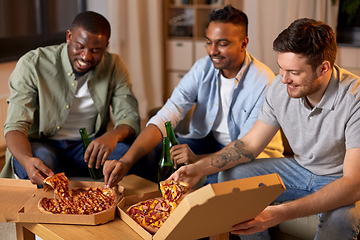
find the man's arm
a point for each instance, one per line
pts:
(341, 192)
(114, 171)
(100, 148)
(20, 148)
(240, 151)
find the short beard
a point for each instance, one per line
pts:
(79, 74)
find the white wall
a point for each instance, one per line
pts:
(101, 7)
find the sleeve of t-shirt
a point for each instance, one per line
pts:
(352, 129)
(268, 112)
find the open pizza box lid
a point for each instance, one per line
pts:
(19, 203)
(212, 209)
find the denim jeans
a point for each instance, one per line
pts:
(340, 223)
(204, 145)
(67, 156)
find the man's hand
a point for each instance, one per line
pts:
(99, 150)
(187, 173)
(37, 171)
(114, 171)
(182, 154)
(269, 217)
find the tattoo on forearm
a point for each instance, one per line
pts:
(231, 154)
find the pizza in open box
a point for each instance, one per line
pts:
(152, 213)
(81, 200)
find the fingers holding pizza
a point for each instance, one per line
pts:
(37, 171)
(187, 173)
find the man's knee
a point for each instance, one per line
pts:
(341, 223)
(237, 172)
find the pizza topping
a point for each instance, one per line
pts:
(60, 183)
(152, 213)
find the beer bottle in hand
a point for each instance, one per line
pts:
(94, 172)
(166, 166)
(170, 134)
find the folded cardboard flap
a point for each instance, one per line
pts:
(215, 208)
(14, 193)
(9, 182)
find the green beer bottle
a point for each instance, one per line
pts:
(170, 134)
(166, 165)
(94, 172)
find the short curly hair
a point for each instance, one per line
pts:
(92, 22)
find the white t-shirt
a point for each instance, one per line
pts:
(220, 128)
(82, 113)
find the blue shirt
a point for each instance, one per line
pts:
(200, 86)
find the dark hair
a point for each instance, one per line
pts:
(310, 38)
(92, 22)
(229, 14)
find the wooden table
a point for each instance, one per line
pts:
(116, 229)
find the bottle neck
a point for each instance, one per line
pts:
(165, 155)
(85, 138)
(170, 134)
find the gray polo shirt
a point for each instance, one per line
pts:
(320, 136)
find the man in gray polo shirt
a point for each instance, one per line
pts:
(316, 103)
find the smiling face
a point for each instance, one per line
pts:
(226, 45)
(85, 49)
(300, 78)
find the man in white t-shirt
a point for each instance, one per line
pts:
(227, 88)
(55, 91)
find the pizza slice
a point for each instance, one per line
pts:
(60, 183)
(173, 191)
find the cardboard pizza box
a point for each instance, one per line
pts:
(212, 209)
(19, 203)
(14, 194)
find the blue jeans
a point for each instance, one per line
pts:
(67, 156)
(204, 145)
(340, 223)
